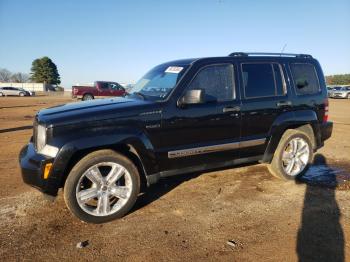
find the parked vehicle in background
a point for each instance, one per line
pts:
(340, 92)
(31, 93)
(13, 91)
(100, 89)
(329, 90)
(183, 116)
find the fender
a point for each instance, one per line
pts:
(285, 121)
(133, 139)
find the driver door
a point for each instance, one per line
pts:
(204, 133)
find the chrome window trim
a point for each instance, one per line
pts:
(215, 148)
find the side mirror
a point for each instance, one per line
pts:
(191, 97)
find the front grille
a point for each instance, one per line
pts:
(35, 132)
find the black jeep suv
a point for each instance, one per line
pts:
(182, 116)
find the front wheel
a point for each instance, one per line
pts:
(21, 94)
(1, 94)
(348, 96)
(293, 155)
(101, 187)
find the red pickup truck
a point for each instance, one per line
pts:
(100, 89)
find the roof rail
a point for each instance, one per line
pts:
(270, 54)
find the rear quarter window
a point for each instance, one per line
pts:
(305, 79)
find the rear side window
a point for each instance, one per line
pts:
(258, 80)
(217, 81)
(280, 83)
(305, 79)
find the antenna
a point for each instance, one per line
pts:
(283, 48)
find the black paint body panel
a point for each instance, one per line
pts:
(152, 129)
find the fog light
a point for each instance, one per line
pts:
(47, 170)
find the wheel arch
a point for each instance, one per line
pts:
(88, 93)
(303, 120)
(135, 149)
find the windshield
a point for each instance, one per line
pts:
(158, 83)
(337, 88)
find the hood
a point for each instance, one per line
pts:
(92, 110)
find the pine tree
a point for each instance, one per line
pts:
(45, 71)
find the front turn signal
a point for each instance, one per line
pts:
(47, 170)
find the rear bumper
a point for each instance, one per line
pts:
(326, 130)
(32, 168)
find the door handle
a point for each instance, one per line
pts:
(231, 109)
(283, 103)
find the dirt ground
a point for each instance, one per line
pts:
(239, 214)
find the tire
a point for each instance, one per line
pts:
(1, 94)
(93, 210)
(22, 94)
(87, 97)
(279, 167)
(348, 96)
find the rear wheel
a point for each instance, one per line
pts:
(293, 155)
(348, 96)
(1, 94)
(101, 187)
(88, 97)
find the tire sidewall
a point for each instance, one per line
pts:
(79, 169)
(87, 97)
(285, 142)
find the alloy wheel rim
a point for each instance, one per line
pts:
(295, 156)
(104, 189)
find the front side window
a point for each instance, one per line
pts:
(217, 81)
(305, 79)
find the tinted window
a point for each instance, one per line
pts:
(258, 80)
(305, 79)
(280, 84)
(104, 85)
(217, 81)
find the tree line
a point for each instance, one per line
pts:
(43, 71)
(7, 76)
(338, 79)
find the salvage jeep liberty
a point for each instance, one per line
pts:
(183, 116)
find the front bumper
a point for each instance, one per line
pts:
(32, 168)
(326, 130)
(339, 95)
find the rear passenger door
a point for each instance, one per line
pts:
(263, 99)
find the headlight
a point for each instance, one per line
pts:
(41, 137)
(41, 145)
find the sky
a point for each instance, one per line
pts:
(121, 40)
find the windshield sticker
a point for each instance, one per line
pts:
(174, 69)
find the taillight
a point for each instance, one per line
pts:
(326, 109)
(75, 91)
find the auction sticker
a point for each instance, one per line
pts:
(174, 69)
